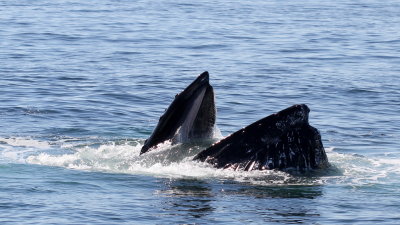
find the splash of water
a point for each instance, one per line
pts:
(122, 156)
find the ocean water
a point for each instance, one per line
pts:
(83, 83)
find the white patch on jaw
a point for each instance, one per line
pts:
(182, 134)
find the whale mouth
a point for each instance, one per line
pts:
(191, 116)
(184, 131)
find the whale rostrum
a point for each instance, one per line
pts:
(284, 140)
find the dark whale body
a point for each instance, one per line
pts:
(281, 141)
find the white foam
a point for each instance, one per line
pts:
(217, 133)
(124, 158)
(166, 161)
(17, 148)
(330, 149)
(360, 170)
(25, 142)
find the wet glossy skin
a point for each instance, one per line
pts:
(280, 141)
(190, 116)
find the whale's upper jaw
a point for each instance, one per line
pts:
(283, 140)
(191, 115)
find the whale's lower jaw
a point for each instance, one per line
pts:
(191, 116)
(280, 141)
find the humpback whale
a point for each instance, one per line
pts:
(190, 117)
(281, 141)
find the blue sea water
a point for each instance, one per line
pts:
(83, 83)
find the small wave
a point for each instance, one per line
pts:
(24, 142)
(362, 91)
(29, 110)
(204, 46)
(16, 148)
(360, 170)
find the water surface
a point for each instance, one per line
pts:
(82, 85)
